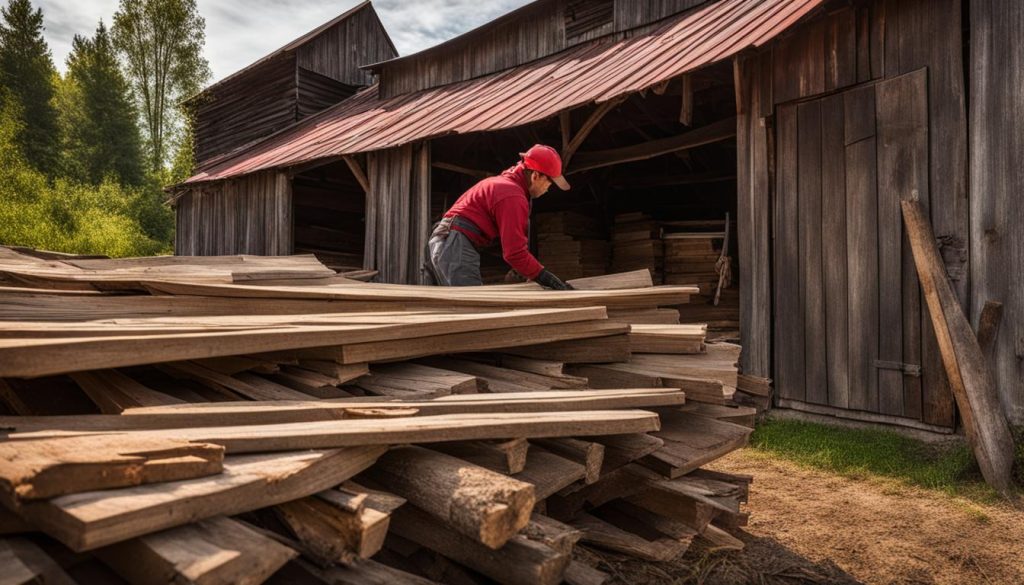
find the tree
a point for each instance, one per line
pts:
(100, 121)
(26, 73)
(161, 44)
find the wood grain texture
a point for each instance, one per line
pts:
(789, 308)
(834, 253)
(812, 292)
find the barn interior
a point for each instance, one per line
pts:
(329, 210)
(653, 180)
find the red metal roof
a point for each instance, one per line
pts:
(594, 72)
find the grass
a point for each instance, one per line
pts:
(869, 453)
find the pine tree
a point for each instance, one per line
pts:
(103, 138)
(26, 74)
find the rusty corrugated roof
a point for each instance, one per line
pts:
(588, 73)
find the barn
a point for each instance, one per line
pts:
(791, 129)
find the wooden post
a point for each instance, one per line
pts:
(969, 376)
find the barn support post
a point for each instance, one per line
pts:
(398, 212)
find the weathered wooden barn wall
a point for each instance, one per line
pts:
(398, 212)
(339, 51)
(867, 108)
(318, 72)
(257, 103)
(534, 31)
(248, 215)
(997, 185)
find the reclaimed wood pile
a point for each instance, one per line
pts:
(571, 245)
(696, 257)
(227, 420)
(637, 245)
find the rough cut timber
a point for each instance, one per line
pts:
(691, 441)
(684, 339)
(24, 563)
(32, 470)
(478, 503)
(217, 551)
(965, 364)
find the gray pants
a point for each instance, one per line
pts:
(454, 260)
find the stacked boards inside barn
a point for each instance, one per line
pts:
(570, 244)
(225, 420)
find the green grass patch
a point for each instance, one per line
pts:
(869, 453)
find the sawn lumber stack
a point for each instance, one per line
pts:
(225, 420)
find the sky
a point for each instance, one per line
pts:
(239, 32)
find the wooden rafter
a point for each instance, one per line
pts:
(587, 128)
(715, 132)
(476, 173)
(357, 171)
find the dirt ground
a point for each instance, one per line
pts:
(809, 526)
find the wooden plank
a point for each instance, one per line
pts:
(93, 519)
(217, 551)
(415, 380)
(834, 256)
(611, 348)
(589, 454)
(789, 309)
(39, 357)
(902, 119)
(550, 473)
(862, 268)
(396, 431)
(980, 409)
(31, 470)
(508, 457)
(812, 292)
(988, 326)
(280, 412)
(602, 534)
(113, 391)
(691, 441)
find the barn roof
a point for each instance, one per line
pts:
(588, 73)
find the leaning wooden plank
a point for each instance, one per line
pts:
(633, 279)
(40, 357)
(509, 337)
(968, 373)
(215, 414)
(550, 473)
(602, 376)
(216, 551)
(456, 296)
(478, 503)
(93, 519)
(589, 454)
(217, 381)
(503, 374)
(520, 562)
(600, 533)
(113, 391)
(559, 536)
(691, 441)
(407, 379)
(31, 470)
(24, 563)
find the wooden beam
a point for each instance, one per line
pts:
(565, 123)
(483, 505)
(966, 368)
(686, 105)
(588, 126)
(714, 132)
(357, 172)
(475, 173)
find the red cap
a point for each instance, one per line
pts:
(545, 159)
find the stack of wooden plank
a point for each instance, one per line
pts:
(637, 244)
(692, 258)
(571, 245)
(355, 433)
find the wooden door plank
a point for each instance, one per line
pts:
(902, 106)
(812, 292)
(834, 256)
(862, 257)
(789, 310)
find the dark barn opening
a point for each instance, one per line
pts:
(329, 211)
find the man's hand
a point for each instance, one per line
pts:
(548, 280)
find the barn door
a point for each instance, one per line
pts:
(849, 322)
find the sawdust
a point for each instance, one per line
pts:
(810, 526)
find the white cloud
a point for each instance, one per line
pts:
(240, 32)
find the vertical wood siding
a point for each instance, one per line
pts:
(997, 185)
(397, 212)
(342, 49)
(249, 215)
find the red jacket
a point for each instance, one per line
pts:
(500, 207)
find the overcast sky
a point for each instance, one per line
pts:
(239, 32)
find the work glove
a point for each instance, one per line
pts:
(548, 280)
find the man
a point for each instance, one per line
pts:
(496, 208)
